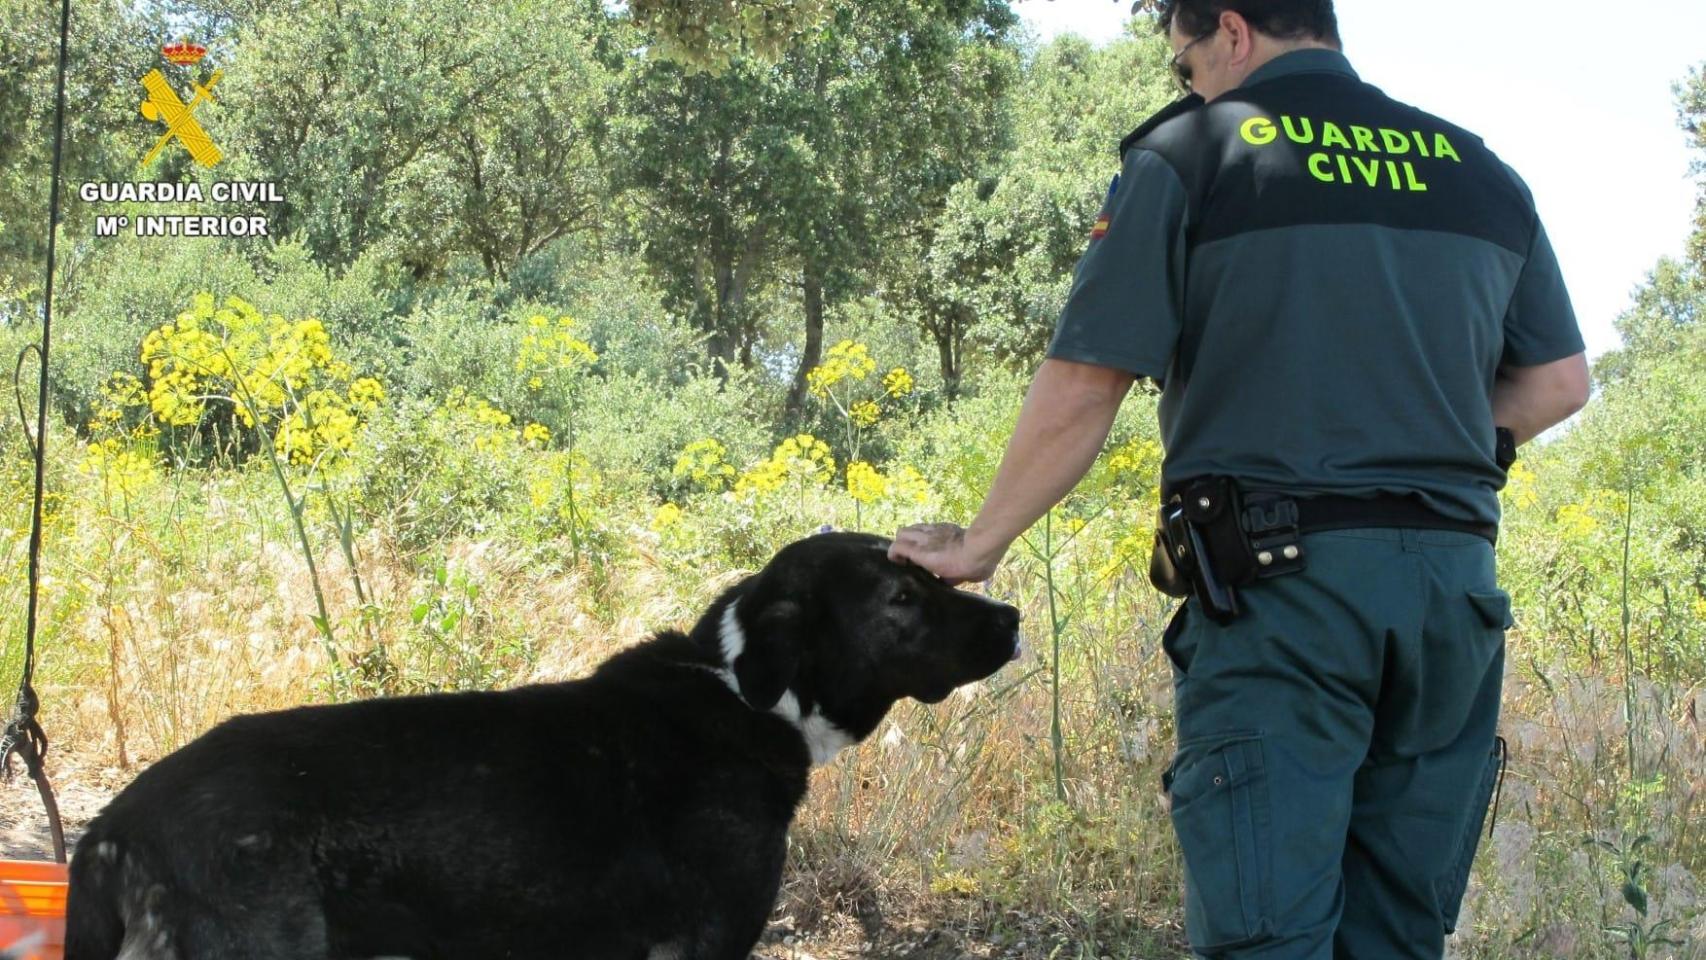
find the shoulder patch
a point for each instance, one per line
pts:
(1100, 229)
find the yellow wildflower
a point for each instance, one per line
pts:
(121, 471)
(865, 483)
(541, 488)
(273, 371)
(1137, 459)
(1520, 486)
(767, 476)
(366, 394)
(667, 516)
(702, 462)
(805, 456)
(802, 457)
(846, 360)
(898, 382)
(907, 485)
(1577, 519)
(549, 346)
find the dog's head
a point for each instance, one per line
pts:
(832, 622)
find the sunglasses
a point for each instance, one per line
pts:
(1182, 70)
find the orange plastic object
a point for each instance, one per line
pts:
(32, 909)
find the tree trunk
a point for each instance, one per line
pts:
(721, 344)
(813, 353)
(732, 331)
(744, 326)
(950, 348)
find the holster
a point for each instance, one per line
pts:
(1210, 539)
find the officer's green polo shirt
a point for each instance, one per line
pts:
(1324, 281)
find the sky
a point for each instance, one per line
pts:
(1577, 99)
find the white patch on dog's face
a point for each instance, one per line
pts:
(823, 739)
(732, 640)
(731, 637)
(664, 951)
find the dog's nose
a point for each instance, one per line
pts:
(1010, 621)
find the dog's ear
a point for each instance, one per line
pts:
(772, 654)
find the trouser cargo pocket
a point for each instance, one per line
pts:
(1218, 787)
(1494, 606)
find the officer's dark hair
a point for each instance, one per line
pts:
(1280, 19)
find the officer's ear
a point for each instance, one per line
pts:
(1239, 32)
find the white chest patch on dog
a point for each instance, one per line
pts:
(823, 739)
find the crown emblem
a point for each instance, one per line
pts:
(183, 53)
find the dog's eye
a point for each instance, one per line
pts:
(903, 597)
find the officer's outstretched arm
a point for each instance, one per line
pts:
(1062, 426)
(1531, 400)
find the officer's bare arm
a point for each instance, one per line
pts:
(1065, 421)
(1530, 400)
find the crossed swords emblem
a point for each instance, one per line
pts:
(163, 105)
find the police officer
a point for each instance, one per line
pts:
(1343, 298)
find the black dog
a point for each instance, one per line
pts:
(640, 813)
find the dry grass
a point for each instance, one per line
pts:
(945, 835)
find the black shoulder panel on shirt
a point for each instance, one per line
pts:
(1182, 105)
(1321, 148)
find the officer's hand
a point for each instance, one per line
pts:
(942, 549)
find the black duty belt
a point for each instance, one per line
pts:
(1213, 537)
(1315, 514)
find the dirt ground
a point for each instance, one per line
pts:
(865, 930)
(24, 833)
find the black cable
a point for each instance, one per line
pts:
(46, 341)
(24, 735)
(18, 394)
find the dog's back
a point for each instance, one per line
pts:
(289, 828)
